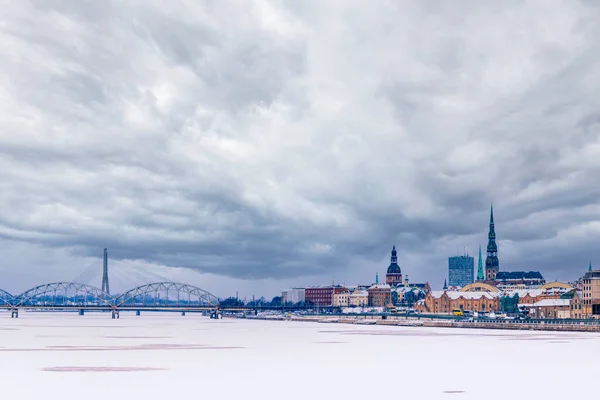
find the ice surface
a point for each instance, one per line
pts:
(168, 356)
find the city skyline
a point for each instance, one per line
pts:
(267, 147)
(193, 278)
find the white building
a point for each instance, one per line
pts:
(359, 298)
(551, 308)
(294, 295)
(341, 299)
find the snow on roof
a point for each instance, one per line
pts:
(454, 295)
(553, 303)
(472, 295)
(380, 286)
(405, 289)
(524, 292)
(359, 293)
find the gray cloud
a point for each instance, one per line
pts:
(285, 142)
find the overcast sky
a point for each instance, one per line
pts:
(264, 144)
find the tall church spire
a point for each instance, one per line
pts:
(491, 262)
(590, 267)
(480, 275)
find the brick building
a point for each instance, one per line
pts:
(322, 295)
(380, 295)
(443, 302)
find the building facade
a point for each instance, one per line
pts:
(591, 294)
(294, 295)
(322, 295)
(380, 295)
(492, 265)
(460, 270)
(359, 298)
(394, 273)
(443, 302)
(407, 296)
(341, 298)
(551, 309)
(576, 304)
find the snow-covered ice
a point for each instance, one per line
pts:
(167, 356)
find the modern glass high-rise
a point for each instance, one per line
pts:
(460, 270)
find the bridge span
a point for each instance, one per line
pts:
(70, 296)
(153, 297)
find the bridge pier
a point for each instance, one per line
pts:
(115, 314)
(183, 313)
(14, 313)
(138, 313)
(81, 312)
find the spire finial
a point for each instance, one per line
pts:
(445, 285)
(394, 257)
(590, 267)
(377, 278)
(491, 214)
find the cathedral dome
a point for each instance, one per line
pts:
(394, 269)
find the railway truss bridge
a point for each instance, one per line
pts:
(159, 296)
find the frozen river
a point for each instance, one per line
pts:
(167, 356)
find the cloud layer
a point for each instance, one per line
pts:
(287, 140)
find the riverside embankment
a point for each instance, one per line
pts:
(394, 320)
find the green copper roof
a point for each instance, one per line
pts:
(480, 275)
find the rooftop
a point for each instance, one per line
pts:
(465, 295)
(592, 275)
(516, 275)
(525, 292)
(553, 303)
(380, 286)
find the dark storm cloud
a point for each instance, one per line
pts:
(287, 140)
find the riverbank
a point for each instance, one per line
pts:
(549, 325)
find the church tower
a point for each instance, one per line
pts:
(394, 274)
(480, 275)
(492, 266)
